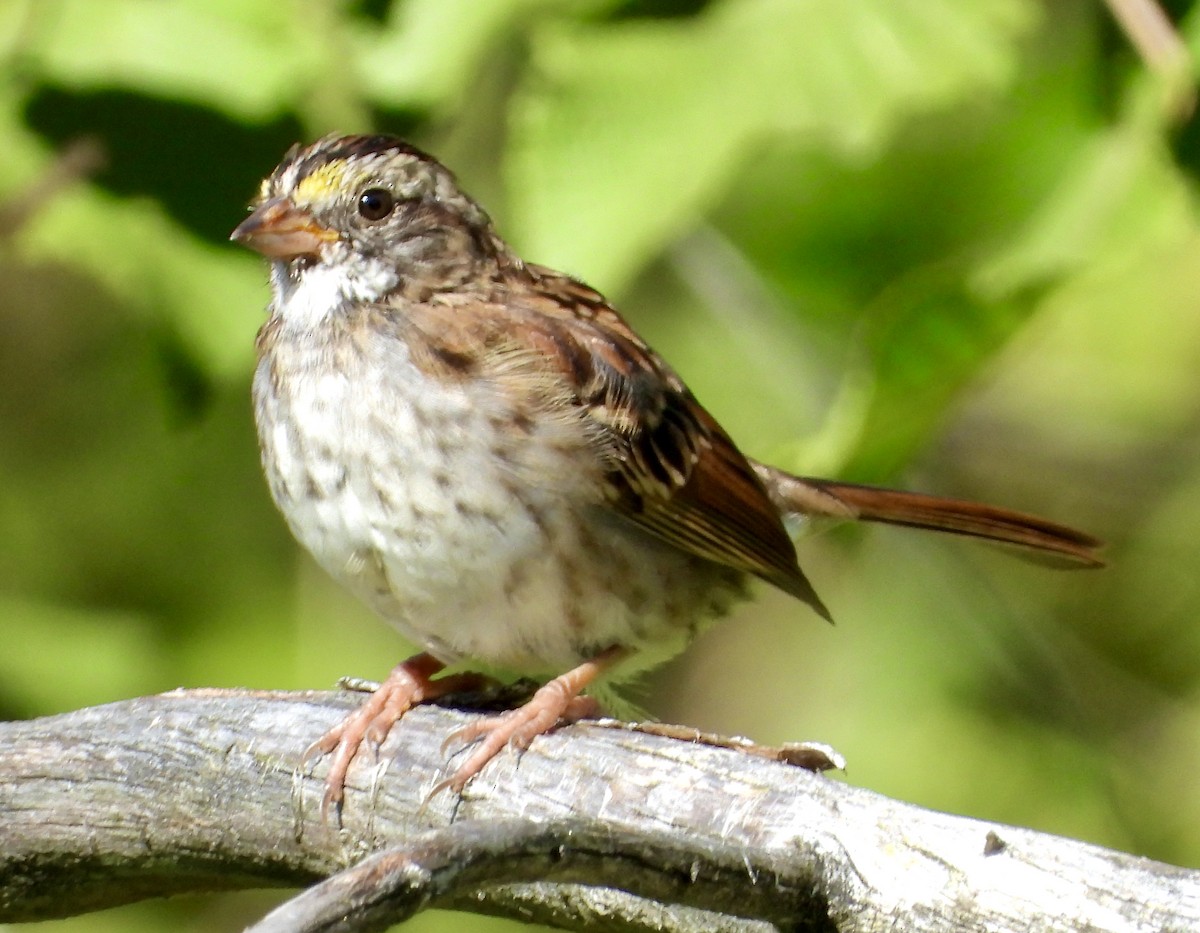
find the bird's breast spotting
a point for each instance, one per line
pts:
(391, 479)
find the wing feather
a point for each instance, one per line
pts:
(673, 470)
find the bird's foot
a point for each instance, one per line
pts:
(409, 683)
(557, 703)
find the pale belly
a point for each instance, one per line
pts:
(473, 543)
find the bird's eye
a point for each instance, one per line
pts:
(375, 203)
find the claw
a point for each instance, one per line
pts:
(408, 684)
(557, 703)
(411, 682)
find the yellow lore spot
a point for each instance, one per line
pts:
(323, 184)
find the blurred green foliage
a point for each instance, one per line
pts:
(949, 245)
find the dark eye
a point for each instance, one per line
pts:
(375, 203)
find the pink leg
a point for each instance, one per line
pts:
(556, 702)
(408, 684)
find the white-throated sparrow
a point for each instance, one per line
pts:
(486, 453)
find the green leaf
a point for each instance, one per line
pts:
(623, 134)
(925, 337)
(1121, 192)
(208, 294)
(430, 51)
(246, 59)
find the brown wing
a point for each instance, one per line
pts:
(674, 471)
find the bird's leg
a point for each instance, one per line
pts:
(409, 683)
(557, 702)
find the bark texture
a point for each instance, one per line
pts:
(592, 828)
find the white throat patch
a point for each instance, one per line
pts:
(324, 289)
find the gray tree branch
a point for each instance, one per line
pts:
(591, 828)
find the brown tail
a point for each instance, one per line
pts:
(800, 495)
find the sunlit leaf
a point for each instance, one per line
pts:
(430, 50)
(623, 134)
(244, 58)
(210, 295)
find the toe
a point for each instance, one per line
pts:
(407, 685)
